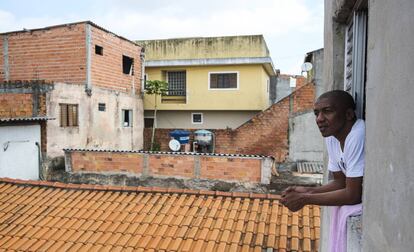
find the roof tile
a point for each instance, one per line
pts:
(57, 216)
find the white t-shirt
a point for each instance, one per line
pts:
(352, 160)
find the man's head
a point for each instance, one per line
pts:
(335, 113)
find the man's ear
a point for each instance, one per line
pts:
(350, 114)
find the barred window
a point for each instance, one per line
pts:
(223, 80)
(68, 115)
(176, 83)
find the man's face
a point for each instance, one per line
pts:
(330, 118)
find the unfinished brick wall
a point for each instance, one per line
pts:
(235, 168)
(168, 165)
(23, 99)
(265, 134)
(59, 54)
(16, 105)
(106, 162)
(106, 70)
(55, 54)
(303, 99)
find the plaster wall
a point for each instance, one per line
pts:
(252, 92)
(389, 174)
(305, 141)
(205, 48)
(97, 129)
(211, 119)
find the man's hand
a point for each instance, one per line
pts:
(293, 198)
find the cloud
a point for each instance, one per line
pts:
(290, 27)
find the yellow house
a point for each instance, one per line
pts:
(213, 82)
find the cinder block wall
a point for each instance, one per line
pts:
(265, 134)
(226, 168)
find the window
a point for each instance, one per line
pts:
(127, 117)
(223, 80)
(145, 80)
(98, 50)
(148, 122)
(176, 83)
(355, 52)
(68, 115)
(101, 106)
(127, 65)
(197, 118)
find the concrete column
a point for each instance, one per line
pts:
(6, 57)
(197, 167)
(68, 161)
(88, 85)
(145, 168)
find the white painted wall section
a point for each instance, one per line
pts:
(19, 154)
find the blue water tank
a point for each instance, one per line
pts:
(182, 136)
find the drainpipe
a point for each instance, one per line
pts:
(41, 176)
(88, 85)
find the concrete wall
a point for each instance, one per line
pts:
(389, 178)
(205, 48)
(252, 89)
(97, 129)
(305, 140)
(211, 119)
(170, 165)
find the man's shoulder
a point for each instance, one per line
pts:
(358, 129)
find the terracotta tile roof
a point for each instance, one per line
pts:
(37, 215)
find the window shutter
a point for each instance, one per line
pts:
(355, 52)
(63, 115)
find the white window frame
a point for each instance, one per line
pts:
(192, 118)
(224, 72)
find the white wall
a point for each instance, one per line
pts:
(19, 155)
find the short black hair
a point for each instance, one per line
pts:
(343, 98)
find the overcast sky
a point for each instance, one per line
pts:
(290, 27)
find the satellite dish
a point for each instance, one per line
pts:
(307, 66)
(174, 145)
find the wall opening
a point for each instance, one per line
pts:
(127, 117)
(98, 50)
(127, 65)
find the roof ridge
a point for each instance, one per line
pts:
(137, 189)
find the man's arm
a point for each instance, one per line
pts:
(340, 191)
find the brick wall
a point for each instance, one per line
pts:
(54, 54)
(231, 168)
(106, 70)
(23, 99)
(16, 105)
(265, 134)
(59, 54)
(106, 162)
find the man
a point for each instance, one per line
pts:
(344, 137)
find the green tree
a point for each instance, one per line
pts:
(156, 88)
